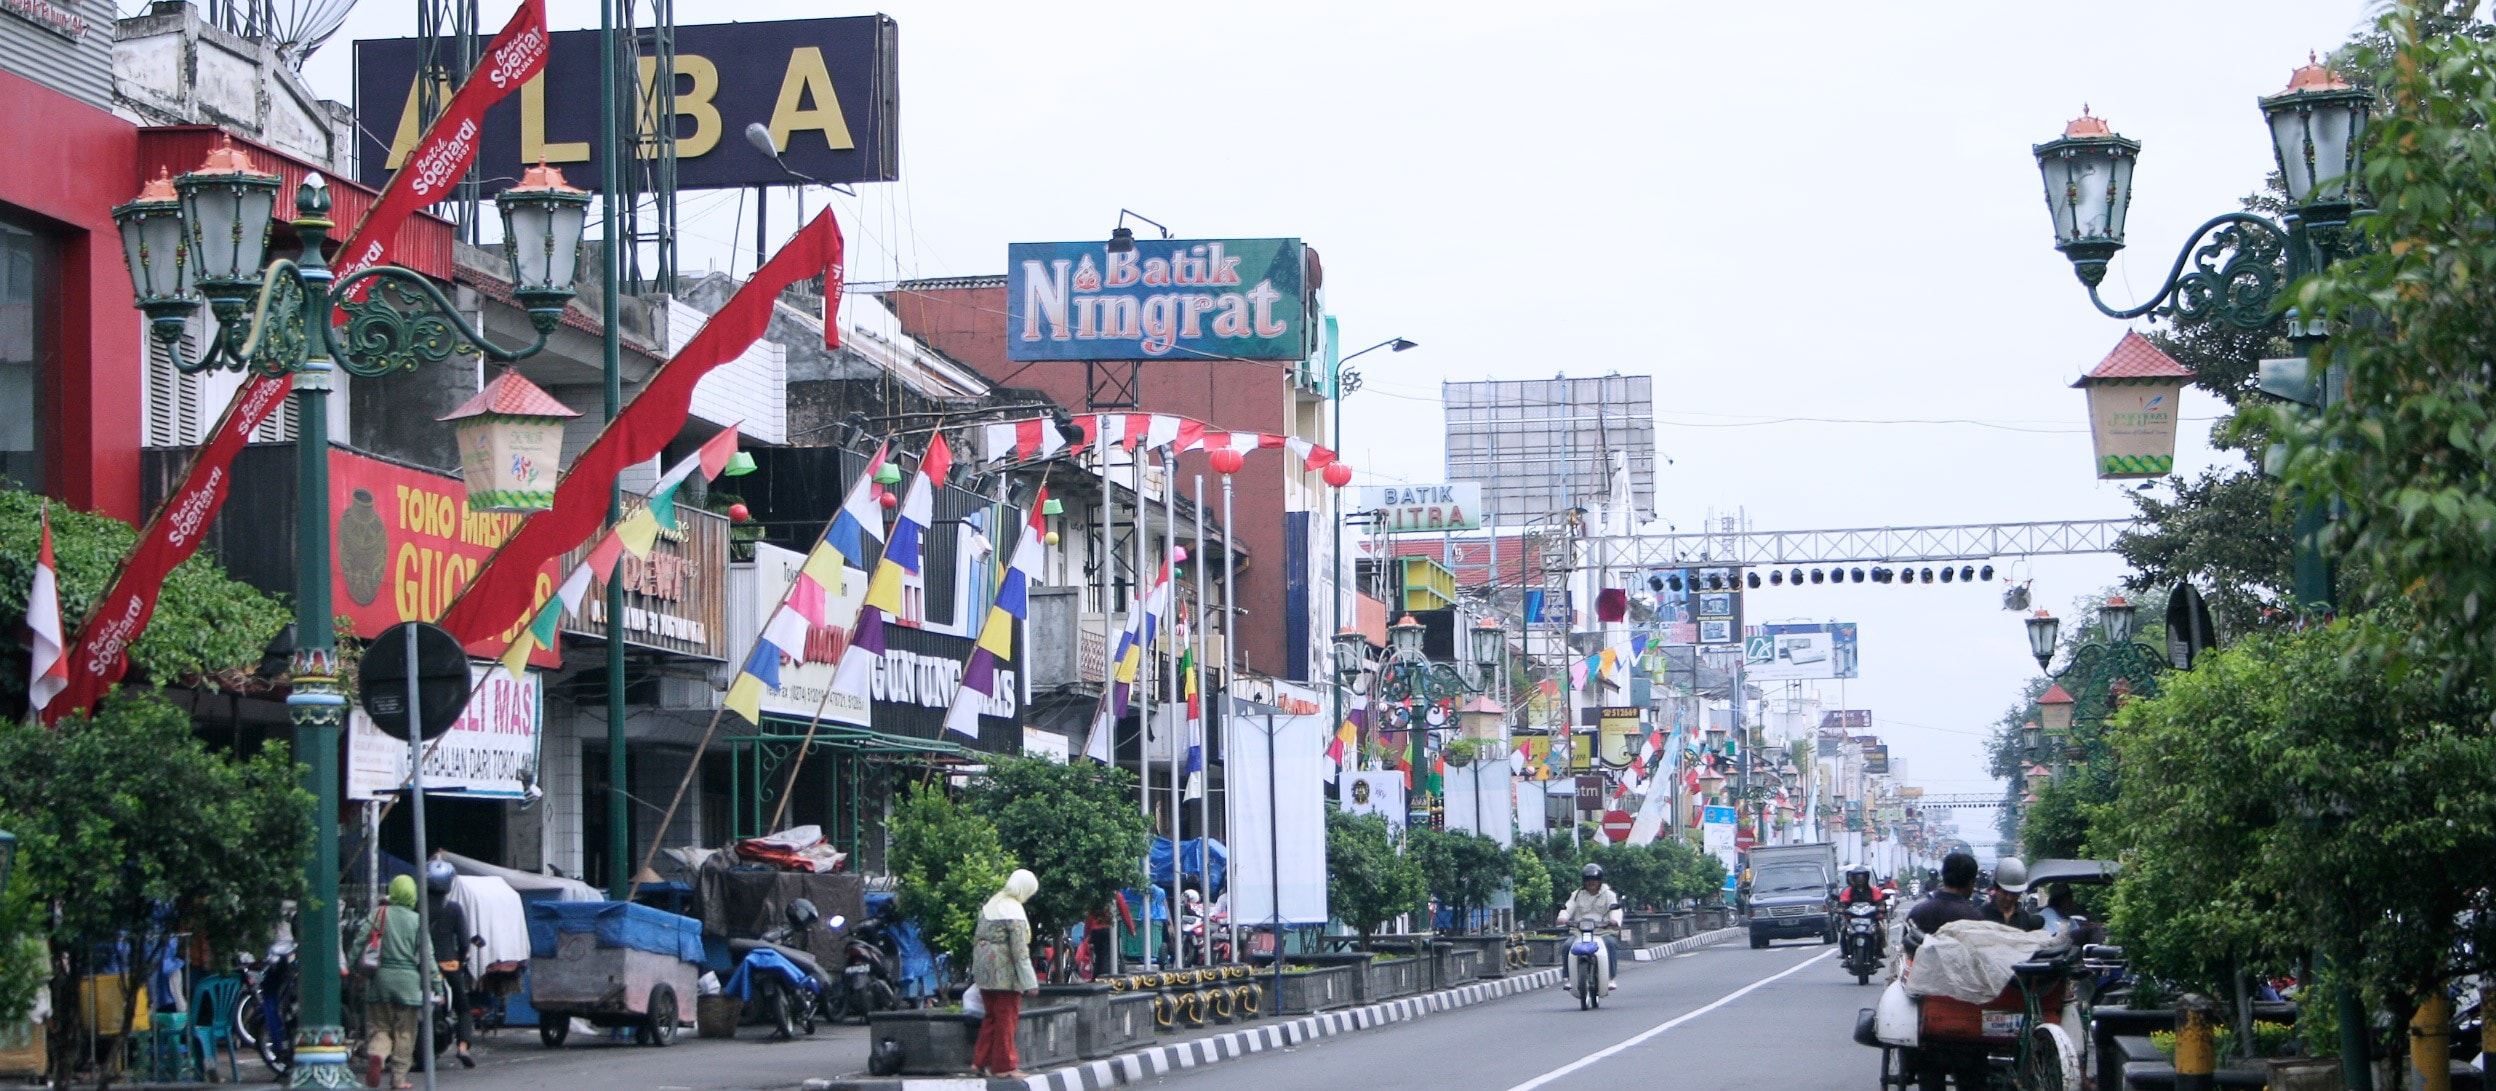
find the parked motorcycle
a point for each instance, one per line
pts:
(870, 978)
(1860, 941)
(1586, 954)
(784, 981)
(264, 1016)
(1193, 923)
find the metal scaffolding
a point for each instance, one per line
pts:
(1961, 542)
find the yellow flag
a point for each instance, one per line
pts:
(639, 531)
(516, 660)
(745, 698)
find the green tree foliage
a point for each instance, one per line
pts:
(949, 861)
(128, 826)
(1367, 880)
(205, 622)
(1074, 825)
(2305, 796)
(2223, 532)
(2409, 445)
(1533, 884)
(1463, 870)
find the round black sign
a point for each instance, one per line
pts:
(441, 679)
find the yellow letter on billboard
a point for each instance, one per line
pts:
(533, 145)
(807, 78)
(694, 103)
(412, 119)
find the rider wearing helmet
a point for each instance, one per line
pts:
(1594, 900)
(1859, 888)
(2010, 880)
(451, 945)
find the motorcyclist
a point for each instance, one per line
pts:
(1859, 890)
(1597, 901)
(2010, 880)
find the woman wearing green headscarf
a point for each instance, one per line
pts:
(397, 996)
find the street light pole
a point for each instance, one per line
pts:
(1340, 383)
(611, 349)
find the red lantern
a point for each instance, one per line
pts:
(887, 499)
(1338, 475)
(738, 513)
(1226, 461)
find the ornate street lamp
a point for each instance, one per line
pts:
(2117, 613)
(1351, 656)
(1405, 636)
(274, 319)
(2318, 126)
(2088, 188)
(2044, 634)
(1488, 646)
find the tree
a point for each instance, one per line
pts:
(1464, 870)
(205, 623)
(1534, 886)
(1367, 881)
(1075, 825)
(129, 828)
(950, 863)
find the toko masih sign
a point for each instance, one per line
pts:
(1239, 299)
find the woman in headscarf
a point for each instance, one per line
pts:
(397, 994)
(1001, 967)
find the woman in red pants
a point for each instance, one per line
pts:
(1001, 967)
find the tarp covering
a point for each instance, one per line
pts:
(921, 975)
(495, 914)
(765, 960)
(531, 885)
(738, 904)
(616, 924)
(1195, 858)
(1971, 960)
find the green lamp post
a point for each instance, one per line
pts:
(204, 236)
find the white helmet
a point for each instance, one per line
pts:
(2010, 873)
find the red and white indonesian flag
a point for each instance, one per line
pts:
(43, 616)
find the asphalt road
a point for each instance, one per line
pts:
(1721, 1018)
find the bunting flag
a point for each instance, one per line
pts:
(117, 617)
(1022, 440)
(807, 605)
(1126, 664)
(646, 425)
(634, 534)
(50, 668)
(1341, 746)
(901, 557)
(1195, 778)
(996, 637)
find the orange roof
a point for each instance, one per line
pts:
(511, 394)
(2056, 696)
(2136, 358)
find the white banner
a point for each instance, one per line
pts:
(1278, 847)
(1480, 800)
(1378, 792)
(490, 752)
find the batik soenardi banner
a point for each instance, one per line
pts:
(173, 533)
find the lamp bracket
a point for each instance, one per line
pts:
(2239, 290)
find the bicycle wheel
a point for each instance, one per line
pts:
(2051, 1062)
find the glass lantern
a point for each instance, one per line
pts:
(2318, 126)
(2088, 189)
(227, 207)
(153, 245)
(542, 223)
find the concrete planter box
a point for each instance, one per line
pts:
(1316, 990)
(1356, 962)
(1110, 1022)
(1049, 1036)
(1388, 978)
(1453, 965)
(1490, 953)
(1642, 929)
(933, 1043)
(1545, 950)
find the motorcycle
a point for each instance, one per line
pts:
(1586, 953)
(870, 978)
(1193, 923)
(264, 1016)
(1860, 942)
(784, 981)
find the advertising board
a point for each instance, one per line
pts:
(1799, 652)
(675, 599)
(407, 544)
(1186, 299)
(490, 752)
(1408, 509)
(828, 89)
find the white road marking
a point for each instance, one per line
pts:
(1660, 1028)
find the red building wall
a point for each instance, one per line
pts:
(968, 324)
(72, 165)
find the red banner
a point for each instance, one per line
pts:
(501, 592)
(172, 534)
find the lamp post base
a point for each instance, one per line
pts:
(321, 1059)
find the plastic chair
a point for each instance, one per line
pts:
(212, 1022)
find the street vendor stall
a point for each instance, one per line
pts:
(614, 964)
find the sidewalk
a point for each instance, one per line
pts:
(1213, 1045)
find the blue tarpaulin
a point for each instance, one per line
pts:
(616, 924)
(765, 960)
(1132, 898)
(921, 975)
(1195, 856)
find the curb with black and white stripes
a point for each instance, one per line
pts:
(1157, 1061)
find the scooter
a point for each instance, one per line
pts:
(784, 981)
(870, 978)
(1860, 942)
(1193, 922)
(1585, 954)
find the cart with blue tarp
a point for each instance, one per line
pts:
(614, 964)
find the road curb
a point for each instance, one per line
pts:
(1688, 943)
(1151, 1064)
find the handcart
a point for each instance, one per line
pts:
(613, 964)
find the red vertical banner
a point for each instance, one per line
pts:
(101, 654)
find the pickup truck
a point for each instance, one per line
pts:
(1793, 893)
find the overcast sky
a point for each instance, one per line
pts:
(1792, 210)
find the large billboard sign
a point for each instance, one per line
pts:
(1411, 509)
(828, 90)
(407, 544)
(1791, 653)
(1184, 299)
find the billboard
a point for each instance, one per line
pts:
(1540, 446)
(1876, 761)
(1698, 605)
(1407, 509)
(1187, 299)
(1792, 652)
(1845, 721)
(490, 752)
(675, 599)
(408, 544)
(827, 88)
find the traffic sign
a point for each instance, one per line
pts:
(1616, 825)
(442, 682)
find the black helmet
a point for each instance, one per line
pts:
(438, 876)
(801, 914)
(1858, 873)
(1591, 871)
